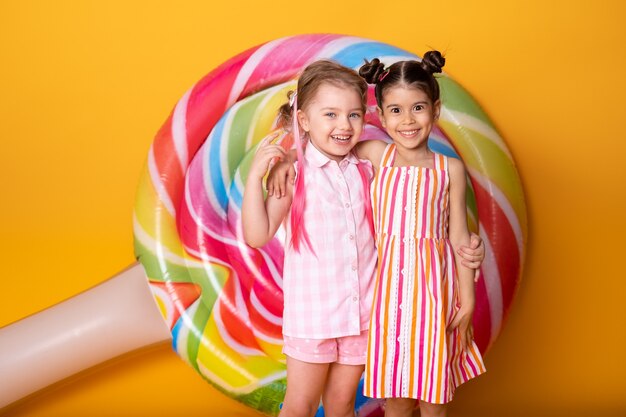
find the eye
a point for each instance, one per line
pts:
(355, 115)
(418, 107)
(330, 114)
(395, 110)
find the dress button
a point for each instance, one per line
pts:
(355, 298)
(351, 237)
(347, 205)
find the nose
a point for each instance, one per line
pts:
(345, 123)
(409, 118)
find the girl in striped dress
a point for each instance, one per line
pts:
(420, 343)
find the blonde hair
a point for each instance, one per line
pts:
(312, 78)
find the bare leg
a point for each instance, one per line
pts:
(399, 407)
(340, 391)
(433, 410)
(305, 382)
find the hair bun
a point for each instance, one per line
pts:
(433, 62)
(371, 70)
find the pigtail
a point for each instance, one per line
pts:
(284, 111)
(372, 71)
(433, 62)
(363, 172)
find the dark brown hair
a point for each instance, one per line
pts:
(410, 73)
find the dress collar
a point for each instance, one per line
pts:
(318, 159)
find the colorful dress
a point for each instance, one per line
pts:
(410, 353)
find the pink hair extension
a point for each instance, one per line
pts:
(366, 194)
(298, 230)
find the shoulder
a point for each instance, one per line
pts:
(456, 170)
(455, 164)
(371, 149)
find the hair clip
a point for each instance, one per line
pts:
(383, 75)
(293, 98)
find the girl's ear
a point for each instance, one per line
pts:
(436, 110)
(381, 117)
(303, 120)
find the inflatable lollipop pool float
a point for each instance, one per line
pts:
(222, 300)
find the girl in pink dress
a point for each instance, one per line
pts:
(330, 254)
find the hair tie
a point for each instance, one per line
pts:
(293, 98)
(383, 75)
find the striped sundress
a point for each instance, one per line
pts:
(410, 354)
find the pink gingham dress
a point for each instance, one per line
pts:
(329, 294)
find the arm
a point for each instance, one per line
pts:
(472, 256)
(281, 174)
(459, 236)
(261, 218)
(372, 150)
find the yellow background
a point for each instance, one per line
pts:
(85, 85)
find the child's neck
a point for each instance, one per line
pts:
(421, 157)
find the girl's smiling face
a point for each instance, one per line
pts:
(408, 115)
(333, 119)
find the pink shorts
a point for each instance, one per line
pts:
(347, 350)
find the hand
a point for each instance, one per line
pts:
(266, 152)
(279, 176)
(463, 320)
(473, 256)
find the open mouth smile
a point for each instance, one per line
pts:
(408, 133)
(341, 138)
